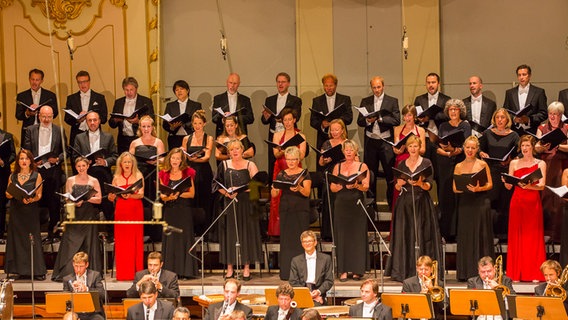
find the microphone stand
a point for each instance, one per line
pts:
(416, 232)
(103, 239)
(333, 253)
(381, 242)
(32, 243)
(446, 296)
(201, 240)
(237, 243)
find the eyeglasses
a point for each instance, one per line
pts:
(292, 159)
(308, 241)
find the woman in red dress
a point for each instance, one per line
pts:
(289, 118)
(128, 238)
(525, 249)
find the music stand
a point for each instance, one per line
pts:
(409, 305)
(527, 307)
(468, 302)
(56, 302)
(302, 296)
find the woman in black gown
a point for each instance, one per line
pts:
(475, 226)
(294, 209)
(237, 172)
(24, 220)
(199, 161)
(497, 143)
(83, 237)
(177, 213)
(350, 220)
(447, 156)
(413, 204)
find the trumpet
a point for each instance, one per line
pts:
(436, 292)
(556, 289)
(499, 273)
(293, 306)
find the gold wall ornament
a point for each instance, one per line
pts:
(155, 2)
(153, 24)
(6, 3)
(154, 55)
(119, 3)
(155, 88)
(62, 10)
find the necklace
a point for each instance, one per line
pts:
(24, 176)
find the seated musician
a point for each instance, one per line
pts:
(551, 270)
(222, 310)
(371, 307)
(284, 310)
(487, 279)
(150, 307)
(312, 269)
(311, 314)
(85, 280)
(237, 315)
(422, 281)
(181, 313)
(166, 281)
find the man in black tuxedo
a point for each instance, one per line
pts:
(34, 97)
(85, 280)
(312, 269)
(131, 102)
(177, 130)
(326, 103)
(46, 138)
(479, 109)
(371, 307)
(284, 310)
(230, 102)
(276, 103)
(222, 310)
(563, 97)
(521, 96)
(151, 308)
(7, 156)
(81, 102)
(379, 128)
(166, 281)
(90, 141)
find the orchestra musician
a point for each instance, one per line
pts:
(166, 281)
(150, 307)
(222, 310)
(551, 270)
(285, 309)
(371, 306)
(85, 280)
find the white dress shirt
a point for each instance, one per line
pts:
(369, 309)
(129, 108)
(152, 309)
(330, 102)
(280, 104)
(376, 131)
(432, 99)
(36, 96)
(232, 98)
(182, 106)
(311, 266)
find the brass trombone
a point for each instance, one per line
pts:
(556, 289)
(499, 273)
(436, 292)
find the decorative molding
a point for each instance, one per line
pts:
(155, 2)
(154, 55)
(6, 3)
(155, 88)
(153, 24)
(119, 3)
(60, 11)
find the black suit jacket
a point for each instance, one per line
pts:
(172, 108)
(411, 285)
(168, 279)
(9, 155)
(164, 311)
(422, 100)
(94, 283)
(324, 275)
(97, 103)
(477, 283)
(244, 117)
(536, 97)
(82, 145)
(270, 102)
(563, 97)
(27, 98)
(388, 122)
(382, 312)
(272, 313)
(118, 107)
(320, 104)
(214, 310)
(488, 107)
(31, 142)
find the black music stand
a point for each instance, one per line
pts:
(56, 302)
(541, 308)
(468, 302)
(409, 305)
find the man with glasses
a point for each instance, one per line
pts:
(46, 142)
(81, 102)
(312, 269)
